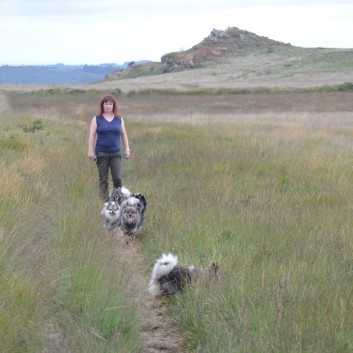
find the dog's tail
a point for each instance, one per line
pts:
(125, 191)
(161, 268)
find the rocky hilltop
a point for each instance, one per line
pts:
(218, 44)
(230, 42)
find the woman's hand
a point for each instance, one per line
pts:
(127, 153)
(91, 155)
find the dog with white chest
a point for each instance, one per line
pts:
(111, 215)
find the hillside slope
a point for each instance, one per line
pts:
(236, 58)
(218, 44)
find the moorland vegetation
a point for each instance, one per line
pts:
(257, 178)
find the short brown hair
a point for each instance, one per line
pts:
(105, 99)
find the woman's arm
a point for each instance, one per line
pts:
(91, 138)
(124, 138)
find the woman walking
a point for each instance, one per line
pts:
(108, 130)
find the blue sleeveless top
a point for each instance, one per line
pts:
(108, 134)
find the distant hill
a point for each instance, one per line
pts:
(58, 73)
(239, 58)
(218, 44)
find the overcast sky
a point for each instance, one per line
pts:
(118, 31)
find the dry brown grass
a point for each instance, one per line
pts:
(285, 161)
(183, 108)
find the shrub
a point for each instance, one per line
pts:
(346, 86)
(32, 127)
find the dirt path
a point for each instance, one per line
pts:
(159, 333)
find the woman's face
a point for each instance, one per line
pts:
(108, 106)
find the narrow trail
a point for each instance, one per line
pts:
(158, 331)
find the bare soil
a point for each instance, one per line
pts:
(159, 332)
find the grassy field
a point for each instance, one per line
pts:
(260, 183)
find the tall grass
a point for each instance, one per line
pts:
(277, 218)
(266, 195)
(58, 292)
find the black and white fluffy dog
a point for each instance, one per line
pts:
(133, 214)
(168, 278)
(111, 208)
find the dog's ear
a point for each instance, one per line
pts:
(143, 200)
(215, 269)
